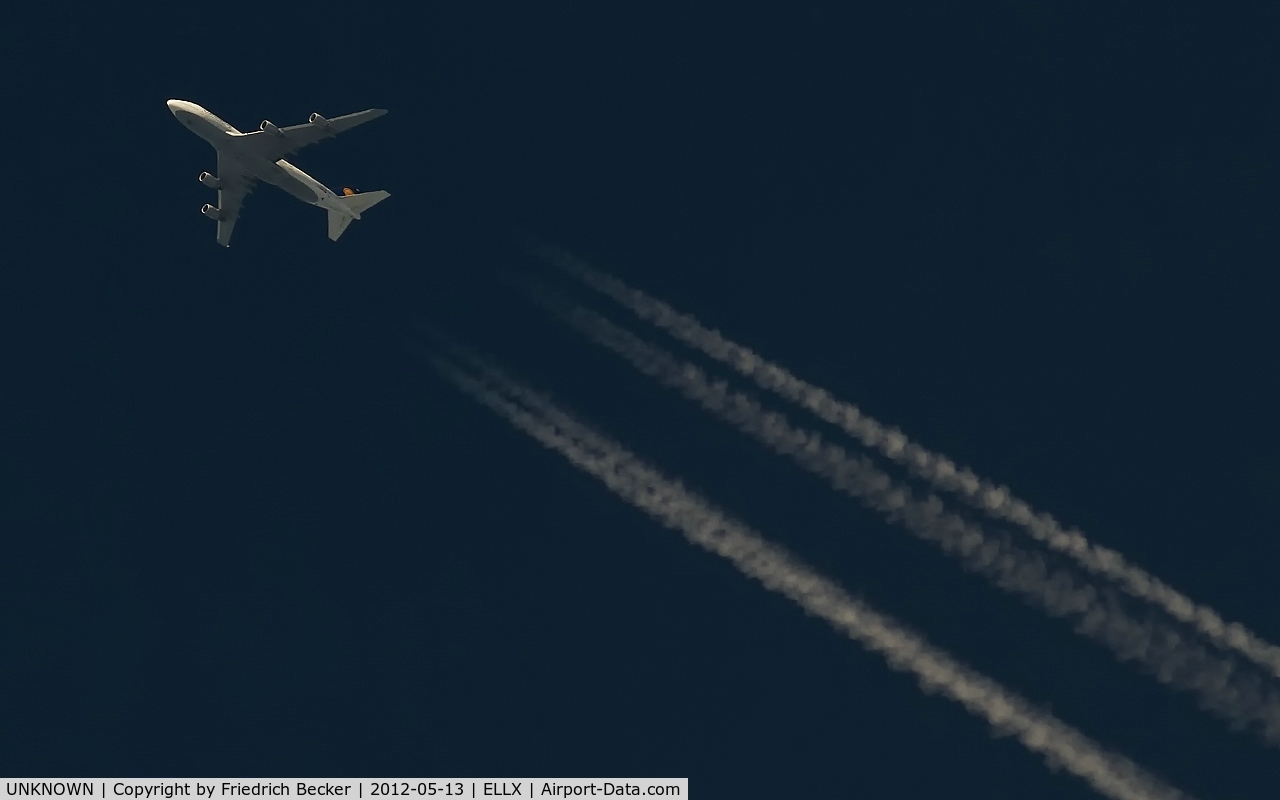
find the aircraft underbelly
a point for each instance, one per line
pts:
(294, 186)
(273, 173)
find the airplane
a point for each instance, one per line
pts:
(245, 158)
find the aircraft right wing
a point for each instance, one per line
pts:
(274, 143)
(236, 184)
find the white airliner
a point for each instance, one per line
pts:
(244, 158)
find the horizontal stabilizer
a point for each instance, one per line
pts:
(356, 204)
(360, 201)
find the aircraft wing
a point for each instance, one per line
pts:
(276, 143)
(236, 184)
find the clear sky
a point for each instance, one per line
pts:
(249, 533)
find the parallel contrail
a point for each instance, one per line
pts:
(1222, 688)
(701, 523)
(937, 469)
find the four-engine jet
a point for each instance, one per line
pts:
(244, 158)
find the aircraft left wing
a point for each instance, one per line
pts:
(236, 184)
(273, 143)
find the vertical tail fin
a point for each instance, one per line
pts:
(356, 204)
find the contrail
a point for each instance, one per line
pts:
(1223, 689)
(701, 523)
(985, 495)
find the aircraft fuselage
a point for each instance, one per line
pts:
(223, 137)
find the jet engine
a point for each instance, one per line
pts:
(316, 119)
(211, 212)
(210, 181)
(270, 127)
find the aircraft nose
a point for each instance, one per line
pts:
(174, 106)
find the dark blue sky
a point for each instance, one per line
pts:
(247, 533)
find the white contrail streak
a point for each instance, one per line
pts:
(701, 523)
(937, 469)
(1223, 689)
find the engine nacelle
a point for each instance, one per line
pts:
(270, 127)
(316, 119)
(211, 212)
(211, 181)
